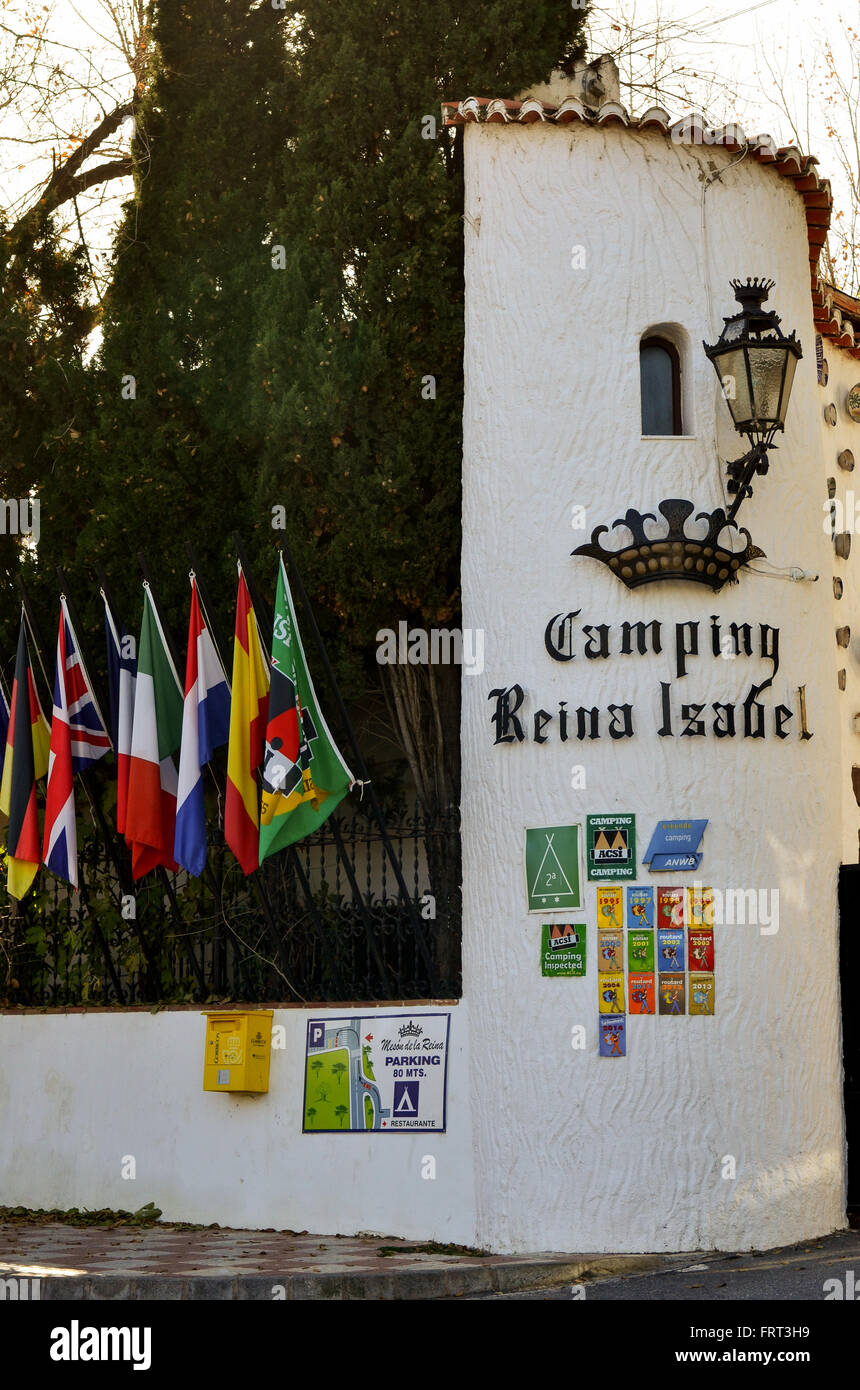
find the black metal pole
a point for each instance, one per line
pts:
(92, 797)
(38, 641)
(179, 920)
(258, 886)
(260, 605)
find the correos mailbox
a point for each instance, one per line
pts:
(238, 1049)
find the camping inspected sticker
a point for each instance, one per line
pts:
(562, 950)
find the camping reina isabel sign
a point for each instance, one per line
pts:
(748, 716)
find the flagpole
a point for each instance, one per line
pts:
(214, 628)
(360, 764)
(73, 615)
(207, 870)
(162, 872)
(33, 626)
(256, 880)
(173, 651)
(261, 608)
(156, 983)
(38, 642)
(259, 602)
(112, 840)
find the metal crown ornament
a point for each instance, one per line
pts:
(675, 555)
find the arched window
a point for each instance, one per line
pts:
(660, 379)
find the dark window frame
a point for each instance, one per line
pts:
(654, 340)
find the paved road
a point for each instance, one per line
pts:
(794, 1273)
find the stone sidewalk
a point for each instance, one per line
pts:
(165, 1262)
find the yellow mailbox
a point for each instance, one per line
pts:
(238, 1048)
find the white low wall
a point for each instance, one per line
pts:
(80, 1092)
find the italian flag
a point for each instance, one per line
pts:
(155, 737)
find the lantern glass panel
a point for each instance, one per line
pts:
(732, 371)
(790, 369)
(768, 370)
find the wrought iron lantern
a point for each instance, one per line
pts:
(755, 363)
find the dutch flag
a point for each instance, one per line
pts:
(78, 739)
(205, 726)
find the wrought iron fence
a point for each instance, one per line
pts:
(324, 921)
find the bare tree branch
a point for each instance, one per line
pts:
(67, 182)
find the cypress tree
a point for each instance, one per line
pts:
(173, 449)
(360, 339)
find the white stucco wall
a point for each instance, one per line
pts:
(575, 1151)
(78, 1092)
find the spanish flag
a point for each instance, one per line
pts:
(28, 744)
(248, 714)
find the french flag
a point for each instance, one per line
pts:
(78, 739)
(122, 674)
(205, 726)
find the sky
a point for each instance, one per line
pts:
(732, 46)
(764, 64)
(727, 61)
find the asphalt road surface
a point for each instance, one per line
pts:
(796, 1273)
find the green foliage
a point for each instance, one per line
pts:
(370, 305)
(44, 393)
(147, 1215)
(172, 452)
(224, 385)
(255, 386)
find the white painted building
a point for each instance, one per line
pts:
(587, 232)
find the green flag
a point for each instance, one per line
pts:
(304, 776)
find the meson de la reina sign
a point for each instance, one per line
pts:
(566, 640)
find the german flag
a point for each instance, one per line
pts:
(28, 744)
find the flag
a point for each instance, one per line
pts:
(122, 670)
(27, 746)
(248, 713)
(78, 739)
(155, 736)
(4, 726)
(205, 725)
(304, 775)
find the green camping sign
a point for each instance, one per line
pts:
(552, 868)
(610, 847)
